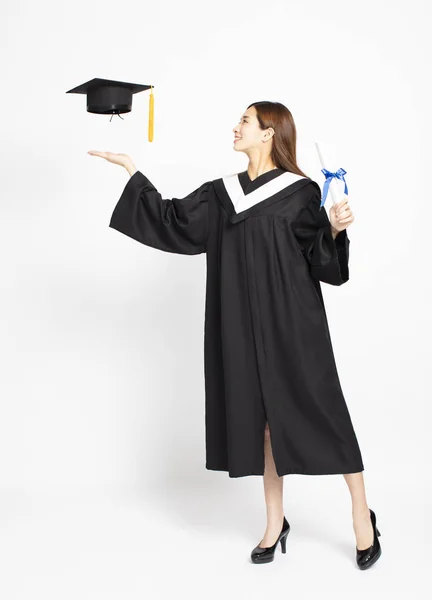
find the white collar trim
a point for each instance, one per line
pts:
(242, 201)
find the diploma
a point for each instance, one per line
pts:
(334, 181)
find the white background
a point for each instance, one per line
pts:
(103, 488)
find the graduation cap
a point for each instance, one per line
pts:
(106, 96)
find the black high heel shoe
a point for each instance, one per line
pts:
(266, 555)
(368, 557)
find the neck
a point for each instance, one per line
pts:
(259, 166)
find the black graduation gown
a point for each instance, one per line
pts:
(268, 353)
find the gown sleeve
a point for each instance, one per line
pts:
(327, 257)
(179, 225)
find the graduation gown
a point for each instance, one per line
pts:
(268, 355)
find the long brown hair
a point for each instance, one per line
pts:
(277, 116)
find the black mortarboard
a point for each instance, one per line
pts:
(105, 96)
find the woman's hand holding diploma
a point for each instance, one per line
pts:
(124, 160)
(341, 215)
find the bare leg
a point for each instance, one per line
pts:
(362, 524)
(273, 492)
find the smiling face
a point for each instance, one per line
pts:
(248, 134)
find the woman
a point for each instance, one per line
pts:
(274, 403)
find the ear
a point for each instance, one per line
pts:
(268, 134)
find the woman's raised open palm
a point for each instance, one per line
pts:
(117, 159)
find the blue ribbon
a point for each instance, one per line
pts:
(339, 174)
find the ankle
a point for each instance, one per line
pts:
(274, 521)
(361, 512)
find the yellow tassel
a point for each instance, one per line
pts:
(151, 116)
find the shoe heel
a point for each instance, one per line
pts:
(283, 544)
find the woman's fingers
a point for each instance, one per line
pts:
(118, 159)
(342, 205)
(109, 156)
(349, 219)
(342, 209)
(344, 216)
(342, 212)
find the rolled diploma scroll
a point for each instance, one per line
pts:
(337, 186)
